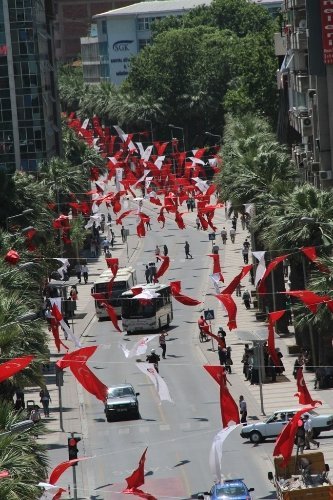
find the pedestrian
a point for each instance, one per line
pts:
(215, 248)
(85, 273)
(45, 399)
(309, 432)
(105, 245)
(93, 249)
(243, 410)
(246, 299)
(188, 204)
(108, 254)
(285, 268)
(271, 369)
(246, 244)
(163, 343)
(222, 353)
(224, 235)
(299, 361)
(113, 239)
(102, 222)
(147, 275)
(165, 250)
(198, 223)
(157, 253)
(148, 226)
(73, 296)
(78, 271)
(228, 361)
(243, 221)
(245, 254)
(245, 361)
(239, 290)
(187, 250)
(153, 272)
(109, 218)
(300, 436)
(232, 233)
(192, 204)
(123, 234)
(35, 416)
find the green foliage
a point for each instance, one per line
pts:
(241, 16)
(71, 87)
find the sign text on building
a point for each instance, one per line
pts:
(326, 7)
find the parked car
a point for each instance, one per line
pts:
(234, 489)
(122, 401)
(274, 424)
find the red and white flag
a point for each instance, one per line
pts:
(139, 348)
(160, 385)
(303, 395)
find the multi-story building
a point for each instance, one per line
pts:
(29, 114)
(306, 87)
(73, 20)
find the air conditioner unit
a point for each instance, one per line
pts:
(325, 175)
(315, 165)
(306, 126)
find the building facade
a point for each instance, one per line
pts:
(29, 114)
(305, 80)
(73, 20)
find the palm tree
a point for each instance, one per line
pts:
(22, 456)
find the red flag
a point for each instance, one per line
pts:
(231, 308)
(60, 469)
(112, 315)
(15, 365)
(310, 299)
(183, 299)
(113, 264)
(304, 397)
(285, 440)
(155, 201)
(140, 229)
(139, 493)
(56, 313)
(89, 381)
(179, 220)
(311, 254)
(208, 332)
(161, 218)
(237, 279)
(273, 317)
(163, 267)
(12, 257)
(271, 266)
(203, 222)
(228, 406)
(55, 333)
(137, 478)
(216, 265)
(78, 357)
(123, 215)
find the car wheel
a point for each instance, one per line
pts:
(137, 415)
(255, 437)
(109, 418)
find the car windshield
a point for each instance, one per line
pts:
(230, 490)
(121, 392)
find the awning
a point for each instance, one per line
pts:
(259, 335)
(287, 62)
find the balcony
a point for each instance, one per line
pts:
(299, 40)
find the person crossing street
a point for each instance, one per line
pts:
(187, 250)
(163, 343)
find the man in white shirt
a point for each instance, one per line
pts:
(243, 409)
(232, 233)
(309, 432)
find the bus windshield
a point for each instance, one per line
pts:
(134, 308)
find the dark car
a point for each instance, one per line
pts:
(121, 401)
(229, 489)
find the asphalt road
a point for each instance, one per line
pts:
(179, 434)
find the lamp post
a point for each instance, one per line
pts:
(19, 267)
(25, 212)
(214, 135)
(22, 426)
(179, 128)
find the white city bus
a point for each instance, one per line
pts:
(124, 280)
(138, 315)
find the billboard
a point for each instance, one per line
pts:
(326, 7)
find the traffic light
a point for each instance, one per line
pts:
(72, 447)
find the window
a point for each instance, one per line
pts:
(143, 42)
(144, 23)
(104, 28)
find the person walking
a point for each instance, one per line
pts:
(78, 271)
(123, 234)
(165, 250)
(105, 245)
(224, 236)
(246, 299)
(197, 221)
(45, 399)
(234, 222)
(300, 437)
(243, 410)
(228, 361)
(148, 225)
(85, 273)
(245, 254)
(162, 342)
(147, 275)
(243, 221)
(153, 358)
(309, 432)
(239, 290)
(157, 253)
(187, 250)
(232, 233)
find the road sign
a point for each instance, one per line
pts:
(211, 236)
(209, 315)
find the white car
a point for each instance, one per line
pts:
(274, 424)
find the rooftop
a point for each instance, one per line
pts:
(154, 7)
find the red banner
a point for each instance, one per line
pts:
(326, 8)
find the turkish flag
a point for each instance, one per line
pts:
(271, 266)
(112, 315)
(137, 478)
(56, 313)
(79, 357)
(113, 264)
(304, 397)
(285, 441)
(140, 229)
(163, 267)
(123, 215)
(203, 222)
(60, 469)
(310, 299)
(12, 257)
(231, 308)
(15, 365)
(237, 279)
(161, 218)
(216, 265)
(89, 381)
(183, 299)
(273, 317)
(179, 220)
(55, 333)
(311, 254)
(228, 406)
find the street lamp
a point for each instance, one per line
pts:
(22, 426)
(25, 212)
(179, 128)
(214, 135)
